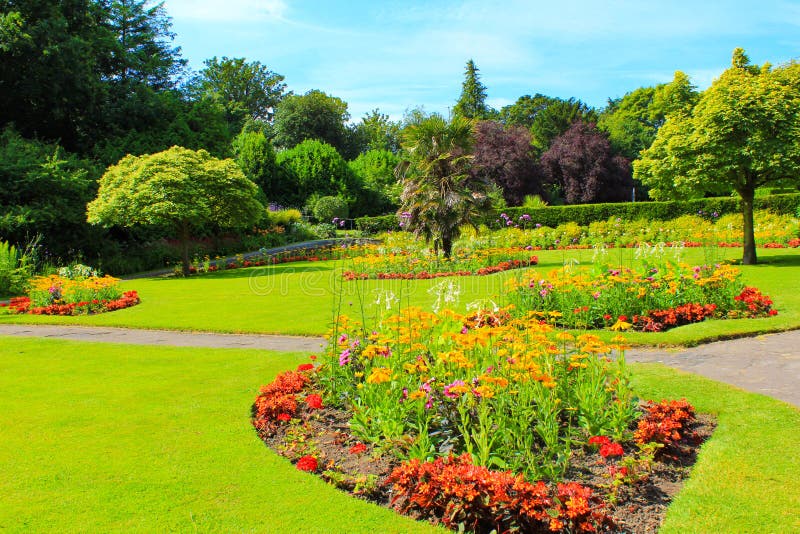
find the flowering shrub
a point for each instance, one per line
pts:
(464, 496)
(55, 289)
(656, 298)
(277, 402)
(664, 422)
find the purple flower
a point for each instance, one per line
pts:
(509, 222)
(344, 357)
(538, 225)
(464, 330)
(543, 292)
(343, 338)
(529, 247)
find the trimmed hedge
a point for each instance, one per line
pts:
(584, 214)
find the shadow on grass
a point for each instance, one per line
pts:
(780, 260)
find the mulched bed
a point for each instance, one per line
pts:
(362, 471)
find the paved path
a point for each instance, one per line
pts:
(166, 337)
(767, 364)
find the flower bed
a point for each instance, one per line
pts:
(421, 264)
(477, 422)
(61, 295)
(653, 299)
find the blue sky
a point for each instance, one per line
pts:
(399, 55)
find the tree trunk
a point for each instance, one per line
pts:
(185, 248)
(447, 246)
(749, 254)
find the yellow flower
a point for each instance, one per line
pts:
(565, 336)
(379, 375)
(416, 395)
(482, 391)
(621, 325)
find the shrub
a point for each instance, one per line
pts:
(14, 270)
(281, 218)
(328, 208)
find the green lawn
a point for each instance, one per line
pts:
(100, 437)
(300, 298)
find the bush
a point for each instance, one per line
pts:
(328, 208)
(281, 218)
(14, 270)
(377, 225)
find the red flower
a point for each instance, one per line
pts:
(307, 463)
(305, 367)
(611, 449)
(314, 401)
(358, 448)
(284, 417)
(599, 440)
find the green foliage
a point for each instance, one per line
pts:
(584, 214)
(741, 135)
(328, 208)
(43, 190)
(256, 157)
(376, 132)
(377, 225)
(315, 167)
(314, 115)
(533, 202)
(524, 110)
(472, 102)
(439, 193)
(247, 90)
(178, 189)
(555, 118)
(380, 191)
(282, 217)
(15, 270)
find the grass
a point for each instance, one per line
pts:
(103, 437)
(300, 298)
(745, 479)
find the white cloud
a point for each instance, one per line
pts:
(227, 11)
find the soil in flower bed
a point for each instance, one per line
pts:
(362, 470)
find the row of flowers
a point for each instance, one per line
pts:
(425, 275)
(652, 299)
(25, 305)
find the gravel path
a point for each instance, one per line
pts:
(767, 364)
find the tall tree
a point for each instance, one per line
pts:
(316, 168)
(248, 90)
(256, 157)
(555, 118)
(505, 156)
(314, 115)
(628, 124)
(50, 55)
(377, 131)
(742, 134)
(179, 189)
(524, 110)
(143, 52)
(439, 192)
(582, 163)
(472, 102)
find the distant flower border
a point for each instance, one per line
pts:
(22, 305)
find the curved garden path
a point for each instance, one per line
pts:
(768, 364)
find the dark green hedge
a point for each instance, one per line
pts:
(583, 214)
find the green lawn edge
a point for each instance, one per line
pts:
(110, 437)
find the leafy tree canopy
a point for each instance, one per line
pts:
(742, 134)
(555, 118)
(247, 90)
(314, 115)
(582, 163)
(179, 189)
(315, 167)
(504, 155)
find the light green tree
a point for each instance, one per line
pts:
(179, 189)
(743, 133)
(472, 102)
(440, 194)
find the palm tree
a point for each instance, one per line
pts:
(439, 193)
